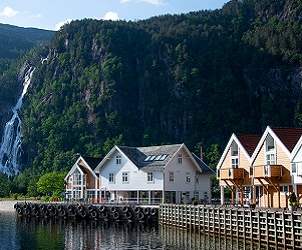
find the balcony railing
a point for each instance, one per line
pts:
(268, 171)
(231, 173)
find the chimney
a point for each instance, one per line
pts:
(201, 153)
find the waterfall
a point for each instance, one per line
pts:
(10, 149)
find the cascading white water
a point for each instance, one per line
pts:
(12, 138)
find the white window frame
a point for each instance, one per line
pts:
(118, 160)
(125, 175)
(111, 178)
(269, 154)
(282, 189)
(188, 178)
(150, 180)
(171, 174)
(77, 179)
(294, 165)
(179, 158)
(234, 158)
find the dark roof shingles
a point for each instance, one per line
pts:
(288, 136)
(249, 142)
(92, 162)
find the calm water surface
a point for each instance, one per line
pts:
(17, 233)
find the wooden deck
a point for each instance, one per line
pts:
(232, 173)
(270, 228)
(267, 171)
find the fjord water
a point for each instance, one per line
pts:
(21, 233)
(12, 138)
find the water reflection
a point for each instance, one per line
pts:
(191, 240)
(21, 233)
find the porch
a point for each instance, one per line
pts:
(132, 197)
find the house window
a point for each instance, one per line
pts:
(90, 194)
(179, 159)
(118, 160)
(111, 178)
(284, 189)
(234, 155)
(294, 168)
(150, 177)
(188, 178)
(171, 176)
(125, 177)
(196, 195)
(77, 178)
(270, 151)
(197, 179)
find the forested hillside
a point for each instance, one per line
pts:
(192, 78)
(14, 43)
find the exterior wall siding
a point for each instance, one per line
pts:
(203, 186)
(243, 163)
(284, 160)
(137, 177)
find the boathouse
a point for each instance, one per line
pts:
(271, 166)
(81, 182)
(234, 167)
(261, 172)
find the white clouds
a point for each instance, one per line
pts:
(8, 12)
(153, 2)
(60, 24)
(110, 15)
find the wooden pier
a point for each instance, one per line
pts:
(273, 229)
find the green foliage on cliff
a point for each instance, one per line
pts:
(14, 43)
(193, 78)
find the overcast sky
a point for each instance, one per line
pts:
(51, 14)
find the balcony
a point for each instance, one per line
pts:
(231, 174)
(267, 171)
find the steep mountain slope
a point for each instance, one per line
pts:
(14, 43)
(194, 78)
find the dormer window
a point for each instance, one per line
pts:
(270, 151)
(118, 160)
(234, 155)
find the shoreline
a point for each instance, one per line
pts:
(8, 205)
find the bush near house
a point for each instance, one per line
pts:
(51, 185)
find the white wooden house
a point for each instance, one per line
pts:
(153, 174)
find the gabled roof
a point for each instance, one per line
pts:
(92, 162)
(249, 142)
(203, 167)
(296, 149)
(286, 137)
(138, 156)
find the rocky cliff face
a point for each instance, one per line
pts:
(15, 42)
(192, 78)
